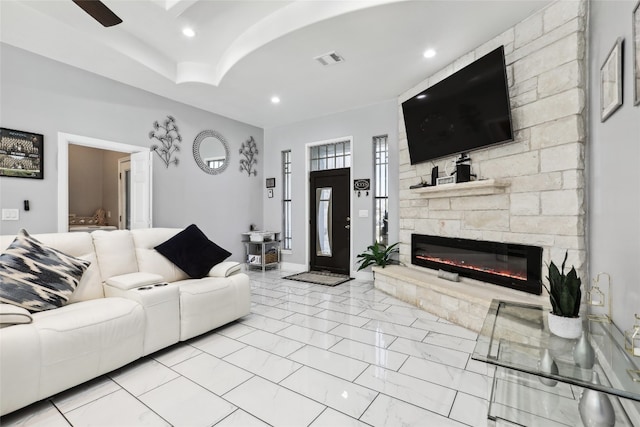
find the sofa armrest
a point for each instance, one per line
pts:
(225, 269)
(13, 315)
(134, 280)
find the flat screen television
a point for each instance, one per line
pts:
(467, 110)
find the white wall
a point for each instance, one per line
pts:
(47, 97)
(361, 124)
(614, 174)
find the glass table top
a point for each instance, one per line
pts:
(515, 335)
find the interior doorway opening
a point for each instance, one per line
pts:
(141, 182)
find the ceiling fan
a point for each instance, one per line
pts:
(99, 11)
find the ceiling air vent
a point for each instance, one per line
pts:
(329, 58)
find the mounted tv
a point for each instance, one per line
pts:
(467, 110)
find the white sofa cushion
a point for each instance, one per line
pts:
(210, 302)
(150, 260)
(13, 315)
(79, 245)
(133, 280)
(88, 339)
(115, 252)
(225, 269)
(36, 276)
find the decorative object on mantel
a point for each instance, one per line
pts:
(565, 295)
(583, 354)
(211, 152)
(548, 366)
(249, 149)
(636, 53)
(377, 254)
(169, 137)
(595, 407)
(611, 81)
(632, 338)
(596, 298)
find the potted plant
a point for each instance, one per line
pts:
(565, 296)
(377, 254)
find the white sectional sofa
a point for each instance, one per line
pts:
(130, 302)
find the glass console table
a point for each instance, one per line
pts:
(514, 337)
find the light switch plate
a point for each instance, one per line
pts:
(363, 213)
(10, 214)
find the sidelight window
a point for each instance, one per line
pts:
(381, 183)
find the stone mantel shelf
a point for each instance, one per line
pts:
(472, 188)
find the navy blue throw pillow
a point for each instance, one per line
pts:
(193, 252)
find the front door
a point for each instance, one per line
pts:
(330, 222)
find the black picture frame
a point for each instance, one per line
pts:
(611, 81)
(635, 26)
(270, 182)
(21, 154)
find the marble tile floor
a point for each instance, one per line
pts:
(307, 355)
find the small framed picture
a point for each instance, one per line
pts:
(636, 54)
(270, 193)
(21, 154)
(271, 182)
(611, 82)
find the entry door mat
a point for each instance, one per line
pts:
(319, 278)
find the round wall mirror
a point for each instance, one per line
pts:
(211, 152)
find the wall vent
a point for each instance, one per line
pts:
(329, 58)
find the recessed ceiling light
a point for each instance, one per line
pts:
(275, 100)
(429, 53)
(188, 31)
(422, 95)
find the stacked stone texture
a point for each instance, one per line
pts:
(544, 204)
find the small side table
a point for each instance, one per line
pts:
(262, 254)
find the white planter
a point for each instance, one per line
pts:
(565, 327)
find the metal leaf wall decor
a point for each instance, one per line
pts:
(249, 149)
(166, 133)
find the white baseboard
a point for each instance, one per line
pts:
(293, 267)
(363, 275)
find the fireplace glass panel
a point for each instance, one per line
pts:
(505, 264)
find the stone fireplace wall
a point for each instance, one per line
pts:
(544, 201)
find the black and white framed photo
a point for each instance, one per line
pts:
(611, 82)
(270, 193)
(271, 182)
(21, 154)
(636, 54)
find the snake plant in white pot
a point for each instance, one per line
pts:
(565, 296)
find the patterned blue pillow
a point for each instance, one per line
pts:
(37, 277)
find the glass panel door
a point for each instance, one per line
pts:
(324, 221)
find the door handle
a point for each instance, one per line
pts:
(348, 218)
(347, 226)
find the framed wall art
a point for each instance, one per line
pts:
(611, 82)
(636, 54)
(21, 154)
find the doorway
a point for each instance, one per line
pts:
(141, 173)
(329, 220)
(124, 193)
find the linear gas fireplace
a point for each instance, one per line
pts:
(505, 264)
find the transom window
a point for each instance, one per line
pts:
(335, 155)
